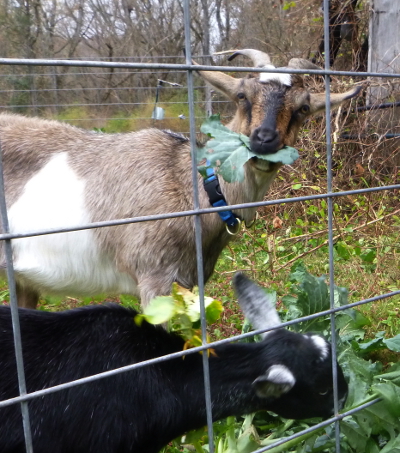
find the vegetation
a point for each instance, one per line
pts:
(366, 225)
(228, 151)
(366, 261)
(375, 428)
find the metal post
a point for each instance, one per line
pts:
(330, 221)
(197, 225)
(14, 312)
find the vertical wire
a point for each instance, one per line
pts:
(14, 312)
(330, 221)
(197, 225)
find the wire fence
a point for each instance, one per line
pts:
(36, 100)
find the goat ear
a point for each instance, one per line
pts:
(277, 381)
(255, 303)
(318, 101)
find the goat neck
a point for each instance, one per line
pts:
(257, 180)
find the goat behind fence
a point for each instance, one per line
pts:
(58, 176)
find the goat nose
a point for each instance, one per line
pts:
(264, 140)
(266, 135)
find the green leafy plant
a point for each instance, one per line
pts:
(182, 311)
(288, 5)
(372, 430)
(228, 151)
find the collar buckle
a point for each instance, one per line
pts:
(216, 197)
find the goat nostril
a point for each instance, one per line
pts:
(264, 140)
(266, 135)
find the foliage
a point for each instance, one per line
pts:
(228, 151)
(373, 429)
(182, 311)
(288, 5)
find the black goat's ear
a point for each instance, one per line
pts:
(255, 303)
(276, 381)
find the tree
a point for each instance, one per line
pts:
(343, 26)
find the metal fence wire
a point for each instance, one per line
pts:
(196, 212)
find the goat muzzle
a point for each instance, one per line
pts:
(264, 140)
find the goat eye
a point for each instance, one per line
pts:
(241, 96)
(305, 109)
(324, 393)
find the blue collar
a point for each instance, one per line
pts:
(212, 187)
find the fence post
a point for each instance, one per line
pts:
(384, 56)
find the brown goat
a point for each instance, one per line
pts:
(57, 175)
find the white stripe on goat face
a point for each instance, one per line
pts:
(321, 344)
(284, 79)
(53, 198)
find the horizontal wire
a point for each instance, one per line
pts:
(318, 425)
(197, 349)
(108, 88)
(170, 215)
(187, 67)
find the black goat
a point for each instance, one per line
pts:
(141, 410)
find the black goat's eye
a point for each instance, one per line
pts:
(241, 96)
(325, 392)
(305, 108)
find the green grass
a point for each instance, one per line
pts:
(366, 263)
(109, 120)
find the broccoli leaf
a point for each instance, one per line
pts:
(228, 151)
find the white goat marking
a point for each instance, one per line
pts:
(321, 344)
(62, 262)
(279, 380)
(280, 374)
(284, 79)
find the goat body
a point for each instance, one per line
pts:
(57, 175)
(87, 177)
(143, 409)
(71, 183)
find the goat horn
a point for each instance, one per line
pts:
(221, 81)
(224, 52)
(259, 59)
(301, 63)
